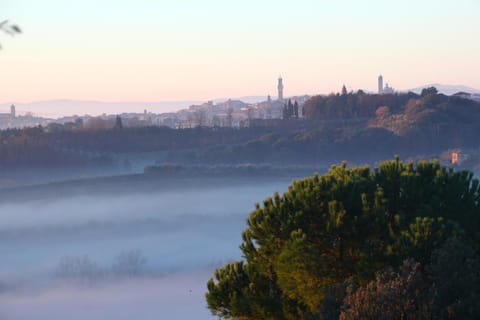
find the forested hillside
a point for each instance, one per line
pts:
(357, 127)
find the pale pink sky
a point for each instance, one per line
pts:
(197, 50)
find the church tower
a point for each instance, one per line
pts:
(380, 84)
(280, 89)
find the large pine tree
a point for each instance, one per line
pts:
(342, 226)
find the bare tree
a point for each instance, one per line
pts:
(80, 268)
(393, 295)
(129, 263)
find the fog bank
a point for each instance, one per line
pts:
(144, 255)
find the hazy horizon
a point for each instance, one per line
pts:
(187, 50)
(55, 108)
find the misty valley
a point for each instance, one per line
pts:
(239, 160)
(154, 166)
(264, 221)
(139, 252)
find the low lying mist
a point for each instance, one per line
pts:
(144, 255)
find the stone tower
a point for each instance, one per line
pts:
(280, 89)
(380, 84)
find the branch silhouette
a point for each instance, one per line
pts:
(10, 29)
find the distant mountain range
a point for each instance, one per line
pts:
(447, 89)
(59, 108)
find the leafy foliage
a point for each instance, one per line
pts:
(346, 224)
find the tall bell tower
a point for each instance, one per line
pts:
(280, 89)
(380, 84)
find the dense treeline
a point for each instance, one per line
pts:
(39, 147)
(353, 105)
(303, 144)
(398, 242)
(35, 147)
(32, 147)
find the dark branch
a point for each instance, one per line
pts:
(10, 29)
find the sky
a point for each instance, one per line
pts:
(156, 50)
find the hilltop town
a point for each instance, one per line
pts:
(231, 113)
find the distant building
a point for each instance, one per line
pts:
(280, 89)
(380, 84)
(388, 90)
(384, 90)
(458, 157)
(7, 117)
